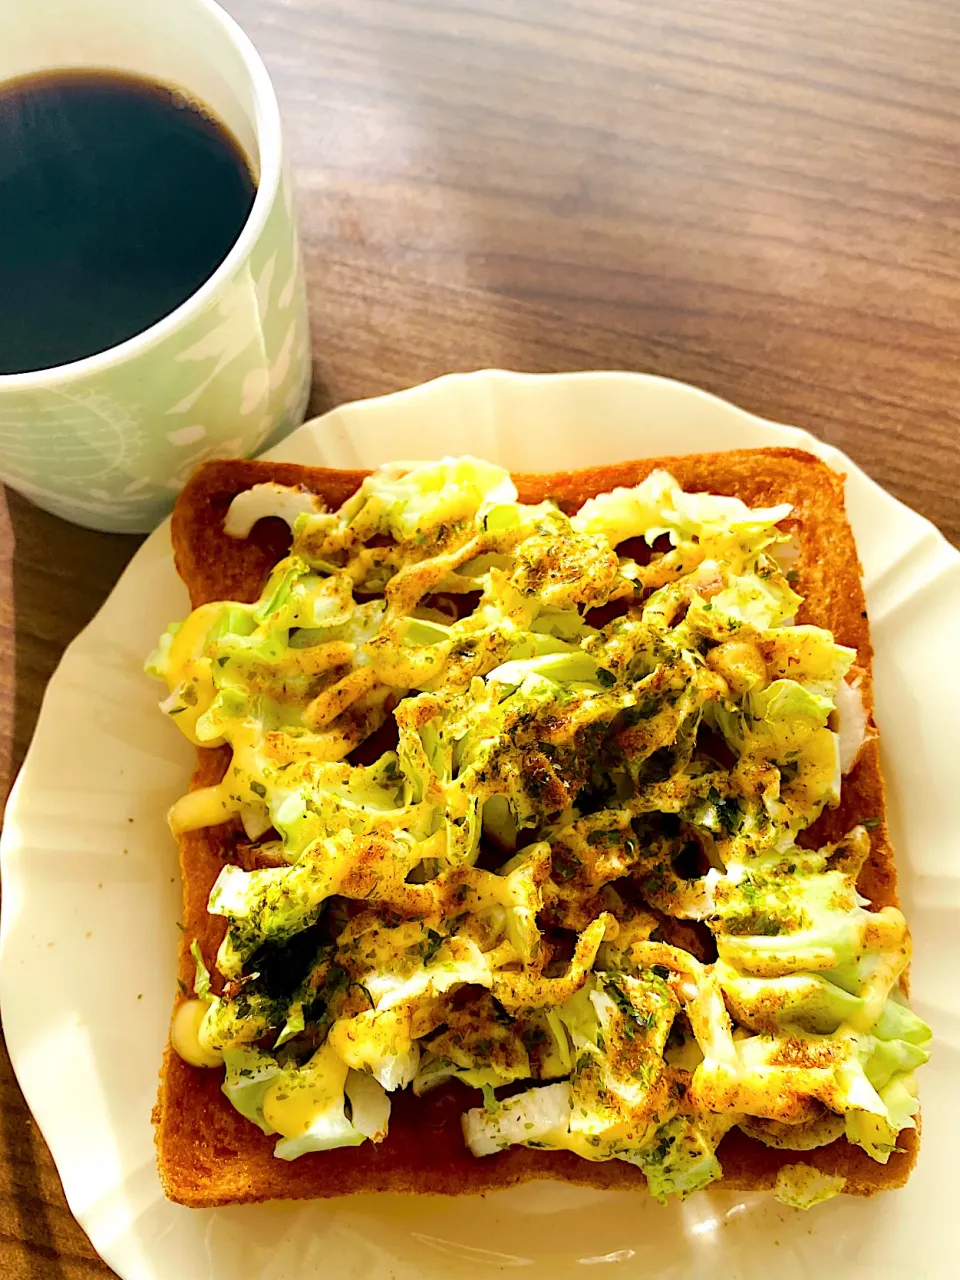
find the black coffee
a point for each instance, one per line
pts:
(118, 199)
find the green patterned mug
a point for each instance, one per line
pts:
(109, 440)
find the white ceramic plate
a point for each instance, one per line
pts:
(91, 900)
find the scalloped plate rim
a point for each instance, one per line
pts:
(122, 1251)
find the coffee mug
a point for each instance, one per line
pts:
(107, 441)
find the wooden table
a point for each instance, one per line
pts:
(757, 197)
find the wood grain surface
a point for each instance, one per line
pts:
(758, 197)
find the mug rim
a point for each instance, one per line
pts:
(266, 123)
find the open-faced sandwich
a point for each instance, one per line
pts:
(537, 831)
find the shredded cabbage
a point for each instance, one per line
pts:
(608, 725)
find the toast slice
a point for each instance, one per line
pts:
(210, 1155)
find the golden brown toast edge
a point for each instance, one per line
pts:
(210, 1155)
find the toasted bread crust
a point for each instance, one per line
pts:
(210, 1155)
